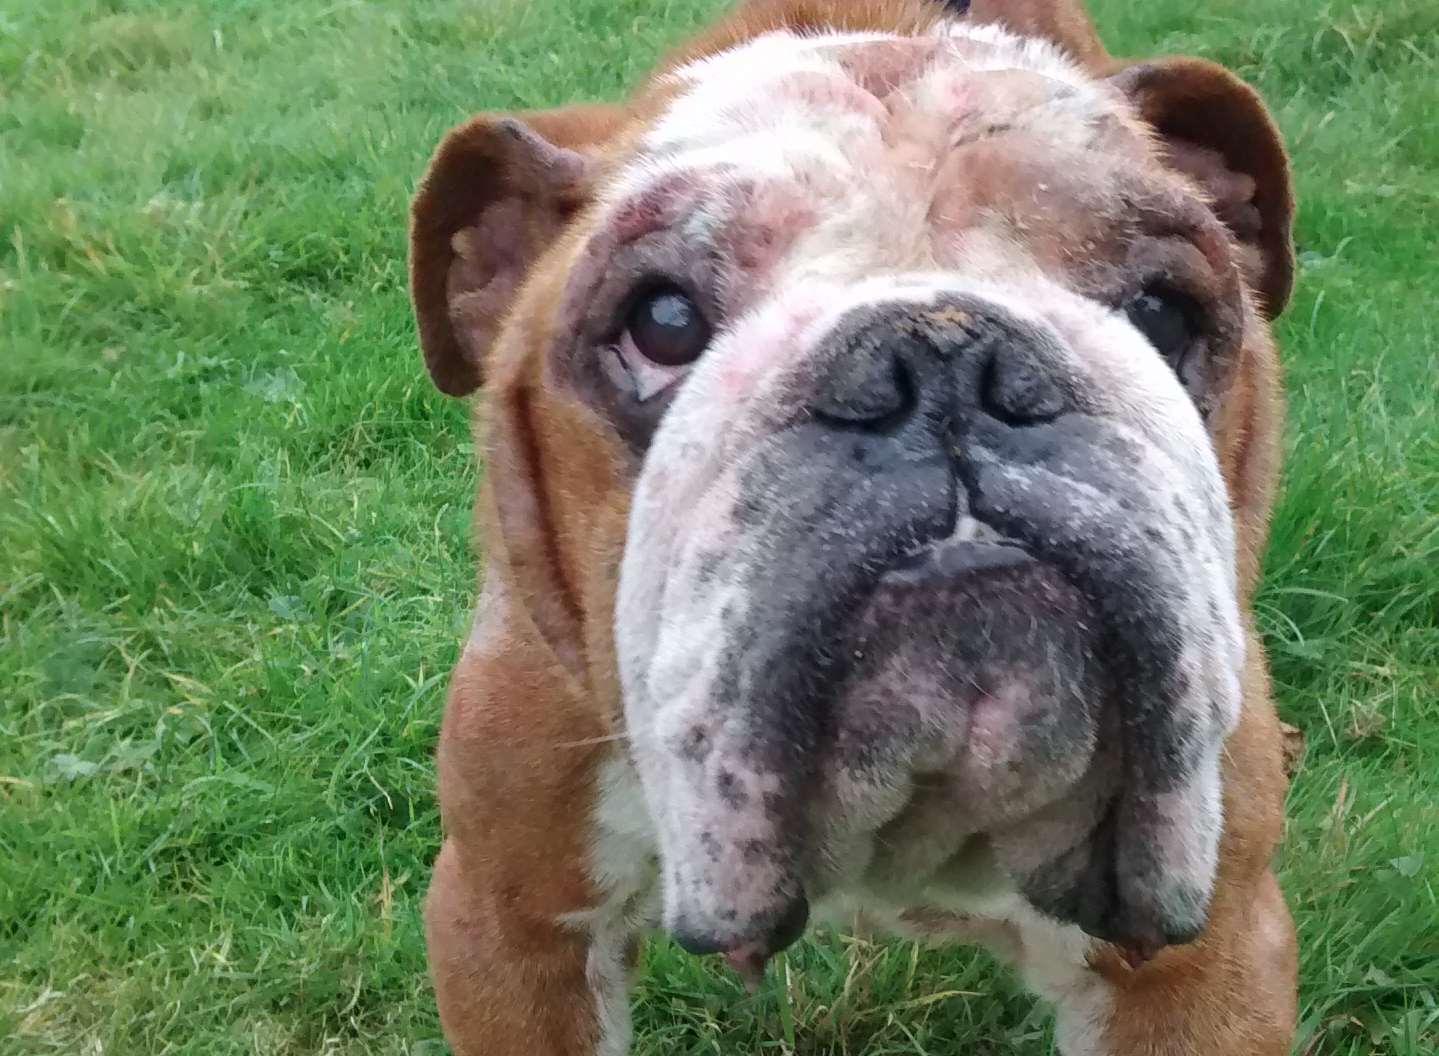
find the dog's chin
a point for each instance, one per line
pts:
(973, 620)
(974, 714)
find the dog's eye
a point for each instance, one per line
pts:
(667, 327)
(1168, 319)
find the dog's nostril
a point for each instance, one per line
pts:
(868, 393)
(1016, 389)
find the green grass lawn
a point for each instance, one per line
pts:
(234, 558)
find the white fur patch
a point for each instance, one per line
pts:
(621, 867)
(733, 109)
(1011, 51)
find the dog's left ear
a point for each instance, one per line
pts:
(1216, 130)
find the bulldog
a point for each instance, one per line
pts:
(879, 440)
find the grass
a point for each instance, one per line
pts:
(234, 563)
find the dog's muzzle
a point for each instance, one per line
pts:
(934, 587)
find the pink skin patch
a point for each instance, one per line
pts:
(994, 720)
(772, 216)
(882, 67)
(748, 963)
(769, 339)
(660, 205)
(821, 91)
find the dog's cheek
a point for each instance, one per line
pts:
(685, 547)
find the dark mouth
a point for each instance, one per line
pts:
(972, 549)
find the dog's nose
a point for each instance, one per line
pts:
(1016, 385)
(898, 366)
(773, 935)
(875, 383)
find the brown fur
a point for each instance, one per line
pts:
(468, 172)
(1197, 103)
(533, 705)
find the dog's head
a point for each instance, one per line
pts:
(881, 417)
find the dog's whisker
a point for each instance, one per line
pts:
(590, 741)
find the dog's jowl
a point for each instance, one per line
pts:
(879, 427)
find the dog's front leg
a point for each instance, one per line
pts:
(511, 981)
(531, 946)
(1231, 993)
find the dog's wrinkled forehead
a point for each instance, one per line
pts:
(920, 139)
(826, 83)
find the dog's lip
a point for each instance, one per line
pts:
(973, 548)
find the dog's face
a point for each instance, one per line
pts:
(916, 358)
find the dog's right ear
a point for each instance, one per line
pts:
(497, 192)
